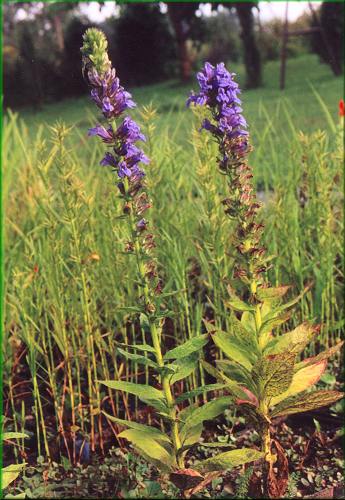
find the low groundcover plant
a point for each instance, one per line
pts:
(264, 365)
(182, 428)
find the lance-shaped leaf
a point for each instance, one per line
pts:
(228, 460)
(208, 411)
(184, 367)
(293, 341)
(137, 358)
(305, 402)
(276, 320)
(278, 310)
(274, 373)
(236, 303)
(140, 390)
(233, 387)
(320, 357)
(271, 294)
(191, 436)
(302, 380)
(138, 347)
(231, 347)
(13, 435)
(237, 373)
(188, 436)
(244, 331)
(192, 345)
(148, 430)
(150, 448)
(199, 390)
(10, 474)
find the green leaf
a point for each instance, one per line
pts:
(139, 347)
(275, 373)
(184, 367)
(273, 314)
(207, 411)
(306, 402)
(210, 327)
(271, 294)
(237, 373)
(13, 435)
(227, 343)
(238, 305)
(144, 322)
(192, 435)
(137, 358)
(140, 390)
(232, 386)
(153, 432)
(245, 330)
(277, 320)
(10, 474)
(293, 341)
(150, 448)
(216, 445)
(228, 460)
(302, 380)
(320, 357)
(189, 347)
(198, 391)
(294, 301)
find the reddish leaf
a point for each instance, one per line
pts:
(185, 479)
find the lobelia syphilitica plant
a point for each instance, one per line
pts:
(264, 365)
(183, 423)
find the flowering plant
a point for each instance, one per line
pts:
(166, 450)
(264, 365)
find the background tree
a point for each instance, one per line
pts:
(251, 53)
(144, 45)
(222, 37)
(74, 85)
(329, 45)
(182, 16)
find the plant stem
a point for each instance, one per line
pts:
(156, 342)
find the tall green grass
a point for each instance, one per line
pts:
(68, 283)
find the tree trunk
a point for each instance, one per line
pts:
(252, 59)
(59, 32)
(181, 33)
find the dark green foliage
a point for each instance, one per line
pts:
(144, 45)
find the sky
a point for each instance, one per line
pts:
(268, 10)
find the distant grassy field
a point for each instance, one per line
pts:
(169, 98)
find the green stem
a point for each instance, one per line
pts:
(265, 428)
(156, 344)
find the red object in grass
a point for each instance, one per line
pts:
(341, 108)
(36, 269)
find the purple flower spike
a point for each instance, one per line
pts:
(220, 92)
(130, 131)
(113, 101)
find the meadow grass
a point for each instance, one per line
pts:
(68, 282)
